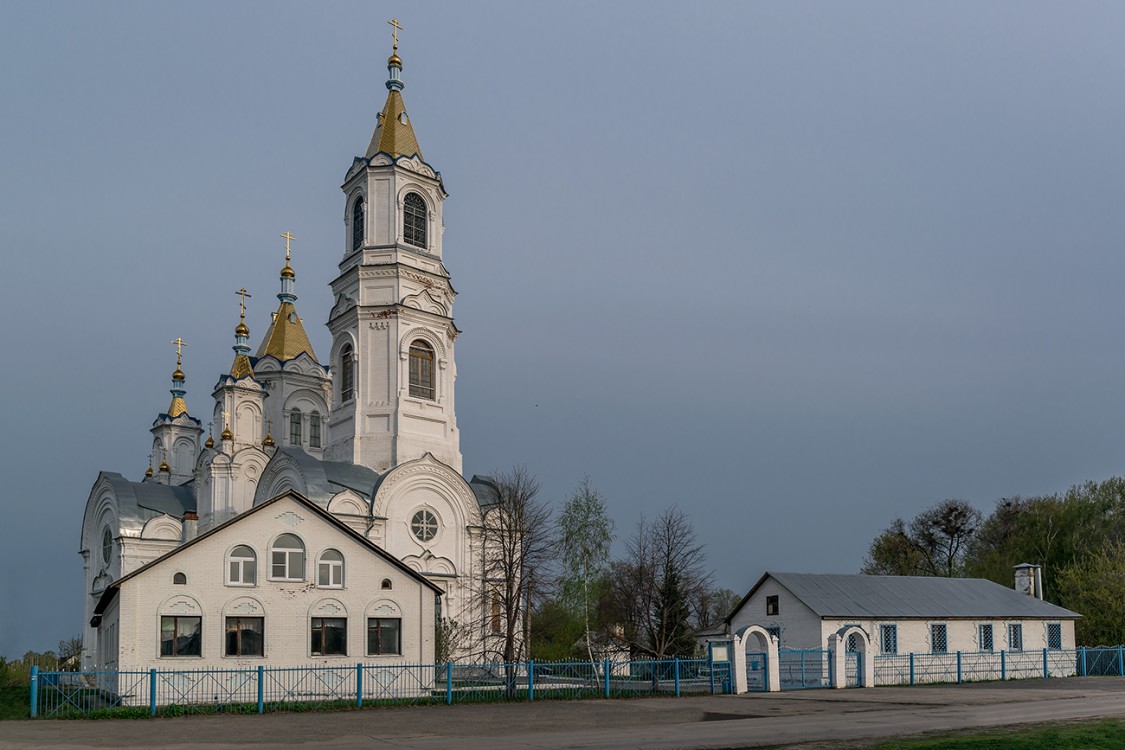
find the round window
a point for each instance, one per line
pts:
(107, 546)
(424, 525)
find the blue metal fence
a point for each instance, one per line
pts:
(757, 672)
(803, 668)
(174, 692)
(970, 666)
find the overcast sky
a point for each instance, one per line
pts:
(799, 268)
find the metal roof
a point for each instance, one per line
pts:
(903, 597)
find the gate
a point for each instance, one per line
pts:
(757, 676)
(853, 669)
(803, 669)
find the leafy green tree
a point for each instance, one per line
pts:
(893, 553)
(1095, 587)
(933, 544)
(556, 632)
(585, 533)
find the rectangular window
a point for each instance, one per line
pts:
(939, 638)
(329, 636)
(295, 428)
(384, 636)
(180, 636)
(888, 639)
(245, 636)
(984, 633)
(314, 430)
(771, 605)
(1015, 636)
(495, 625)
(1054, 636)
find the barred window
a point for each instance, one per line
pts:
(245, 636)
(295, 427)
(414, 220)
(314, 429)
(329, 636)
(984, 631)
(1054, 636)
(853, 643)
(384, 636)
(1015, 636)
(347, 374)
(775, 631)
(939, 638)
(421, 370)
(180, 636)
(888, 639)
(357, 224)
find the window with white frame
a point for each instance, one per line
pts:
(329, 636)
(421, 370)
(245, 636)
(1054, 636)
(1015, 636)
(939, 638)
(330, 570)
(288, 559)
(888, 639)
(181, 636)
(984, 636)
(384, 636)
(242, 567)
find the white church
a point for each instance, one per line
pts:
(328, 519)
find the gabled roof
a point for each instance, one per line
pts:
(111, 590)
(908, 597)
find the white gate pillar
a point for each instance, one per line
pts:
(838, 665)
(738, 666)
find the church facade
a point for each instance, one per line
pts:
(367, 436)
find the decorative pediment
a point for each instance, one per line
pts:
(101, 582)
(180, 605)
(357, 166)
(343, 304)
(434, 475)
(162, 527)
(244, 605)
(289, 518)
(414, 164)
(383, 608)
(347, 503)
(328, 608)
(427, 302)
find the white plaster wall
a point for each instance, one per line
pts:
(286, 606)
(800, 626)
(961, 634)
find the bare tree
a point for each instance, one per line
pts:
(517, 544)
(662, 572)
(933, 544)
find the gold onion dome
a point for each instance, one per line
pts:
(148, 471)
(227, 434)
(268, 442)
(210, 442)
(241, 330)
(164, 467)
(394, 59)
(178, 374)
(287, 272)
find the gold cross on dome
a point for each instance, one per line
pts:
(180, 344)
(288, 237)
(244, 294)
(396, 27)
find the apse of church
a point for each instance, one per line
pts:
(369, 435)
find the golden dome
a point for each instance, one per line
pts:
(287, 272)
(241, 330)
(178, 374)
(227, 434)
(148, 472)
(394, 60)
(164, 467)
(268, 442)
(210, 442)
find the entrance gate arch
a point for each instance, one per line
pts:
(853, 658)
(755, 652)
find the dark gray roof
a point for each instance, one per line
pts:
(860, 596)
(485, 491)
(323, 479)
(138, 502)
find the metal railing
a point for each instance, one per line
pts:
(160, 692)
(973, 666)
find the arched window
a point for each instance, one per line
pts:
(347, 376)
(387, 585)
(288, 559)
(242, 566)
(422, 370)
(357, 224)
(314, 429)
(330, 570)
(179, 580)
(414, 220)
(295, 427)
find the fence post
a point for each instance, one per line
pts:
(152, 692)
(1121, 661)
(676, 665)
(1046, 669)
(607, 678)
(449, 683)
(1082, 662)
(531, 680)
(911, 667)
(1003, 666)
(261, 689)
(359, 685)
(711, 666)
(958, 667)
(34, 691)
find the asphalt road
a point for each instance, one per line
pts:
(728, 722)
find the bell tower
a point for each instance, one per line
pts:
(392, 321)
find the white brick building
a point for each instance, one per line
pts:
(285, 584)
